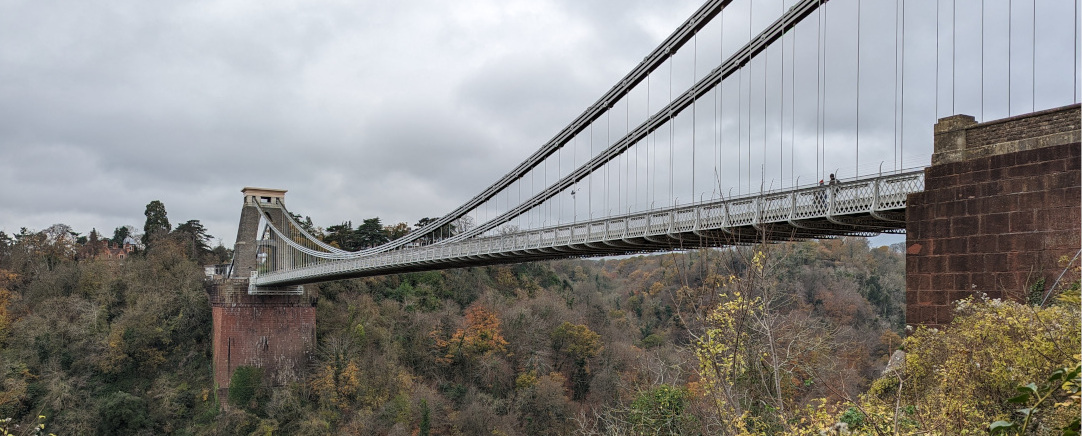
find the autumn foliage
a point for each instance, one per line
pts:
(480, 336)
(778, 339)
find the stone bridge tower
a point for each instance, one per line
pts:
(273, 332)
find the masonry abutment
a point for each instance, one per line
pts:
(1000, 208)
(274, 332)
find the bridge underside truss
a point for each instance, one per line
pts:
(856, 208)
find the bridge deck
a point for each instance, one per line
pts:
(861, 207)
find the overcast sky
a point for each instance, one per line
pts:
(399, 110)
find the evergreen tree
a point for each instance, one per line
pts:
(370, 233)
(444, 231)
(343, 236)
(93, 245)
(305, 223)
(6, 243)
(157, 222)
(119, 234)
(195, 237)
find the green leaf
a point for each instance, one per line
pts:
(1057, 375)
(1026, 411)
(1000, 427)
(1032, 387)
(1073, 428)
(1023, 398)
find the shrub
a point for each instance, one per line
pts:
(959, 379)
(660, 410)
(122, 413)
(243, 385)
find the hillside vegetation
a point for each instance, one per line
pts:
(776, 339)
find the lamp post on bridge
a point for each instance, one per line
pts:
(575, 207)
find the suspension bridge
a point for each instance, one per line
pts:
(754, 121)
(761, 99)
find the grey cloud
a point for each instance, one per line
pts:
(537, 96)
(397, 110)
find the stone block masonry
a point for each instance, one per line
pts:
(1000, 207)
(244, 251)
(273, 332)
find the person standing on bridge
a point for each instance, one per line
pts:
(832, 186)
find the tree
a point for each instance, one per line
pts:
(756, 360)
(660, 410)
(968, 375)
(396, 231)
(221, 253)
(157, 222)
(6, 243)
(543, 408)
(6, 297)
(123, 232)
(342, 236)
(122, 413)
(577, 344)
(195, 237)
(29, 243)
(306, 224)
(93, 245)
(370, 233)
(424, 222)
(479, 337)
(336, 379)
(444, 231)
(59, 234)
(426, 421)
(463, 224)
(58, 244)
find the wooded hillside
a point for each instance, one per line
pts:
(777, 339)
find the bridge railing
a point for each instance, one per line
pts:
(870, 196)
